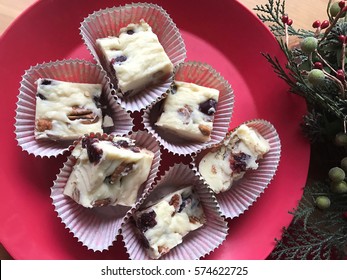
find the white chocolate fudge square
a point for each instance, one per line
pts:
(188, 111)
(136, 58)
(164, 224)
(108, 172)
(237, 154)
(65, 110)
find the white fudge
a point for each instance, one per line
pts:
(164, 224)
(237, 154)
(135, 58)
(108, 172)
(188, 111)
(66, 111)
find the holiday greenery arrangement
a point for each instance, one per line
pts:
(316, 70)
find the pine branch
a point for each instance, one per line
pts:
(310, 242)
(272, 13)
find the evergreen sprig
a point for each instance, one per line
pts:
(314, 233)
(271, 13)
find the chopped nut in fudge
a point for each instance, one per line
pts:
(135, 59)
(188, 112)
(108, 172)
(239, 152)
(164, 224)
(65, 110)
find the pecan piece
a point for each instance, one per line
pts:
(102, 202)
(84, 114)
(76, 194)
(175, 201)
(185, 112)
(121, 170)
(90, 121)
(43, 124)
(204, 129)
(163, 250)
(194, 220)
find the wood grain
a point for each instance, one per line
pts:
(302, 12)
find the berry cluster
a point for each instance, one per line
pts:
(337, 176)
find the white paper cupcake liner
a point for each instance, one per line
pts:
(79, 71)
(97, 228)
(108, 22)
(247, 190)
(203, 75)
(197, 243)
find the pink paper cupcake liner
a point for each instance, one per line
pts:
(79, 71)
(97, 228)
(197, 243)
(203, 75)
(248, 189)
(108, 22)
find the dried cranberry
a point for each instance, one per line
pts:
(146, 221)
(118, 59)
(94, 154)
(185, 201)
(208, 107)
(135, 149)
(41, 96)
(122, 143)
(97, 101)
(173, 89)
(238, 163)
(46, 82)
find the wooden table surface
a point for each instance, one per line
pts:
(302, 12)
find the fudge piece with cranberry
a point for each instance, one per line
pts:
(188, 111)
(108, 172)
(135, 59)
(239, 152)
(164, 224)
(65, 110)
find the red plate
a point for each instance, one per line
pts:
(224, 34)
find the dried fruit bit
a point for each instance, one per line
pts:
(323, 202)
(208, 107)
(204, 129)
(146, 221)
(94, 154)
(43, 124)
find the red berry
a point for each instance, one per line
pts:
(285, 19)
(316, 24)
(344, 9)
(318, 65)
(342, 4)
(340, 75)
(290, 22)
(324, 24)
(342, 38)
